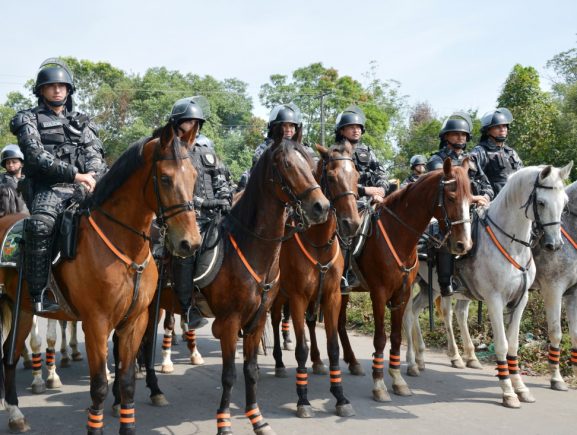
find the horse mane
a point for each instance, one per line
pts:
(128, 162)
(10, 201)
(524, 177)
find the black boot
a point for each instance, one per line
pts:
(37, 263)
(349, 279)
(445, 272)
(182, 277)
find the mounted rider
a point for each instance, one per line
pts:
(373, 180)
(212, 197)
(492, 155)
(61, 149)
(12, 160)
(417, 164)
(454, 135)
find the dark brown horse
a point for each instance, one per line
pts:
(388, 263)
(111, 281)
(10, 201)
(311, 270)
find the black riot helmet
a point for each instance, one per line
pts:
(285, 113)
(351, 115)
(457, 122)
(10, 151)
(54, 70)
(417, 159)
(499, 116)
(189, 108)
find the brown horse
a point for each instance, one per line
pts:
(111, 281)
(311, 270)
(388, 263)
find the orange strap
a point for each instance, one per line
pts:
(113, 248)
(310, 257)
(502, 250)
(245, 262)
(568, 237)
(393, 251)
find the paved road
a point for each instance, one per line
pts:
(445, 401)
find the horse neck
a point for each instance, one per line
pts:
(321, 234)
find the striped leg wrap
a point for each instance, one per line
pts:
(50, 357)
(512, 365)
(574, 357)
(127, 418)
(255, 417)
(394, 361)
(223, 423)
(285, 326)
(554, 354)
(95, 421)
(502, 370)
(302, 380)
(378, 364)
(36, 361)
(167, 342)
(336, 379)
(190, 335)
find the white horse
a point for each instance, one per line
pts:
(500, 273)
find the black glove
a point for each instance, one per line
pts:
(210, 204)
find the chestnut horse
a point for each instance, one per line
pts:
(387, 265)
(111, 281)
(311, 270)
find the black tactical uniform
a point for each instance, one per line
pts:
(56, 147)
(416, 160)
(371, 172)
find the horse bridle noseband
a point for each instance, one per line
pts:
(539, 226)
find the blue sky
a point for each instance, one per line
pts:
(455, 55)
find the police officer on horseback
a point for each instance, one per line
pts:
(497, 159)
(373, 180)
(454, 135)
(12, 160)
(212, 197)
(417, 164)
(61, 149)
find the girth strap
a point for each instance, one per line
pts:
(569, 238)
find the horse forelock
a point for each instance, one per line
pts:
(463, 190)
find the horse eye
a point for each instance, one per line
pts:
(165, 179)
(451, 197)
(541, 203)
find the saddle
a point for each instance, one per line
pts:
(210, 256)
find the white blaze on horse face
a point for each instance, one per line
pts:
(348, 166)
(467, 225)
(299, 154)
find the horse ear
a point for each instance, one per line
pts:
(566, 170)
(190, 136)
(323, 151)
(447, 165)
(166, 135)
(466, 164)
(545, 172)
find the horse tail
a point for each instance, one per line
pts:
(5, 325)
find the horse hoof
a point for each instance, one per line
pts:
(27, 364)
(357, 370)
(345, 410)
(288, 345)
(320, 369)
(280, 372)
(167, 368)
(77, 356)
(65, 363)
(53, 383)
(511, 402)
(196, 360)
(526, 397)
(381, 396)
(413, 370)
(305, 411)
(116, 410)
(159, 400)
(474, 364)
(39, 388)
(18, 426)
(266, 430)
(559, 386)
(402, 390)
(139, 375)
(458, 363)
(421, 364)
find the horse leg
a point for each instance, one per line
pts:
(38, 385)
(76, 354)
(419, 303)
(355, 367)
(195, 356)
(275, 316)
(495, 310)
(26, 359)
(157, 397)
(408, 319)
(452, 348)
(228, 337)
(519, 386)
(331, 309)
(380, 393)
(400, 299)
(319, 367)
(16, 420)
(552, 301)
(250, 369)
(64, 356)
(462, 315)
(571, 309)
(286, 336)
(167, 366)
(304, 408)
(52, 380)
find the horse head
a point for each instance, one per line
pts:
(339, 180)
(294, 181)
(546, 203)
(452, 207)
(174, 177)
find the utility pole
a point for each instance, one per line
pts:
(322, 97)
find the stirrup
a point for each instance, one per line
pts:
(43, 305)
(447, 290)
(194, 318)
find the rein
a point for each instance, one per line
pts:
(569, 238)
